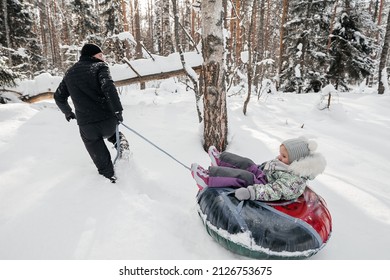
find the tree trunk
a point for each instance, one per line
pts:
(375, 9)
(7, 37)
(260, 45)
(332, 24)
(166, 27)
(238, 41)
(383, 60)
(158, 26)
(43, 31)
(56, 55)
(266, 28)
(138, 48)
(281, 46)
(183, 62)
(380, 13)
(124, 16)
(213, 75)
(131, 16)
(66, 27)
(251, 36)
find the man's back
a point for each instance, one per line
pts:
(92, 90)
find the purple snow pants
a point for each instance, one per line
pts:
(235, 171)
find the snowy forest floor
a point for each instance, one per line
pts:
(54, 205)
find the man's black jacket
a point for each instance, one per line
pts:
(88, 82)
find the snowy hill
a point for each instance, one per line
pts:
(54, 205)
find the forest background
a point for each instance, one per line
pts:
(297, 46)
(288, 46)
(256, 46)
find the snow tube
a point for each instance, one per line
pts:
(266, 230)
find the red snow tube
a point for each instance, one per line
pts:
(312, 209)
(274, 230)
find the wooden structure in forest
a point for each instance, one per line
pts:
(120, 83)
(156, 76)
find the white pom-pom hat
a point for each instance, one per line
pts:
(298, 148)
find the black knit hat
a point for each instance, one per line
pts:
(90, 50)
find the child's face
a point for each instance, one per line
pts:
(283, 155)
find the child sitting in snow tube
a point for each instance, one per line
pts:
(282, 178)
(296, 226)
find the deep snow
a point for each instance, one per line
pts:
(54, 205)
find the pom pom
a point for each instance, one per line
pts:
(312, 145)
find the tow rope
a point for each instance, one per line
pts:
(147, 140)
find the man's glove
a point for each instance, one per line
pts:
(245, 193)
(70, 116)
(119, 116)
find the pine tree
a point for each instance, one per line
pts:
(18, 42)
(7, 78)
(350, 52)
(115, 47)
(112, 17)
(85, 22)
(304, 61)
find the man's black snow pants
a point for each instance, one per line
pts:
(93, 135)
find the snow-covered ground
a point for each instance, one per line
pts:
(54, 205)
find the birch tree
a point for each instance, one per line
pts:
(213, 75)
(138, 39)
(190, 74)
(166, 29)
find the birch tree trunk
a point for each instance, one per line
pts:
(158, 27)
(179, 48)
(137, 26)
(166, 27)
(383, 60)
(213, 75)
(195, 21)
